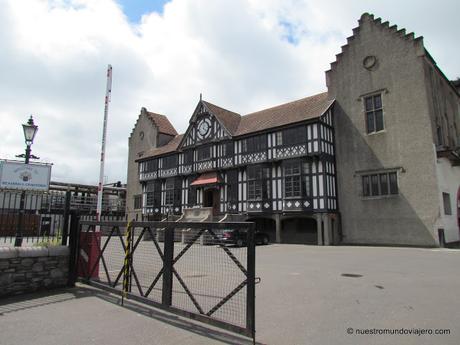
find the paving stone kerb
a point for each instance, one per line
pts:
(30, 269)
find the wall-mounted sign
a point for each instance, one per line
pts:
(15, 175)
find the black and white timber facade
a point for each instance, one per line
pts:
(283, 170)
(384, 141)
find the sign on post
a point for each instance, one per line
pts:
(16, 175)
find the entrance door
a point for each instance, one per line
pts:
(211, 199)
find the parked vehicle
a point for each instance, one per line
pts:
(239, 237)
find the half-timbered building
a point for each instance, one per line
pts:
(374, 160)
(270, 166)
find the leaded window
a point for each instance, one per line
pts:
(149, 166)
(227, 149)
(393, 183)
(137, 201)
(232, 185)
(149, 194)
(204, 152)
(258, 182)
(374, 113)
(380, 184)
(447, 205)
(279, 138)
(170, 162)
(297, 179)
(439, 136)
(306, 180)
(292, 180)
(254, 144)
(157, 193)
(169, 191)
(188, 157)
(191, 191)
(294, 136)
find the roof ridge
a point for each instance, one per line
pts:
(165, 128)
(228, 119)
(230, 111)
(284, 104)
(285, 114)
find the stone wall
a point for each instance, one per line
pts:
(143, 138)
(32, 268)
(405, 146)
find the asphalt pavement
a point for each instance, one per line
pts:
(307, 295)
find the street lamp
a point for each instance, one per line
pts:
(30, 130)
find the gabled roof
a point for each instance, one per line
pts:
(169, 147)
(285, 114)
(227, 118)
(401, 33)
(162, 122)
(367, 17)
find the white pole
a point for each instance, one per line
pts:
(100, 189)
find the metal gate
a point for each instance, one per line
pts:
(182, 267)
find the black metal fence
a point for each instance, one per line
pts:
(44, 217)
(182, 267)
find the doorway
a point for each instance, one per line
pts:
(211, 199)
(299, 231)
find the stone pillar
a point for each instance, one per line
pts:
(327, 230)
(278, 227)
(335, 229)
(319, 220)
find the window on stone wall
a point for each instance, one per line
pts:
(258, 182)
(137, 201)
(374, 113)
(380, 184)
(447, 206)
(456, 136)
(439, 137)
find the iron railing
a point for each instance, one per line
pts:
(44, 217)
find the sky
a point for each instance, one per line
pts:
(243, 55)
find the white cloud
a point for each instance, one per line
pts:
(243, 55)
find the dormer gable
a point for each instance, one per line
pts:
(209, 123)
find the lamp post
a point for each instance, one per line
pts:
(30, 129)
